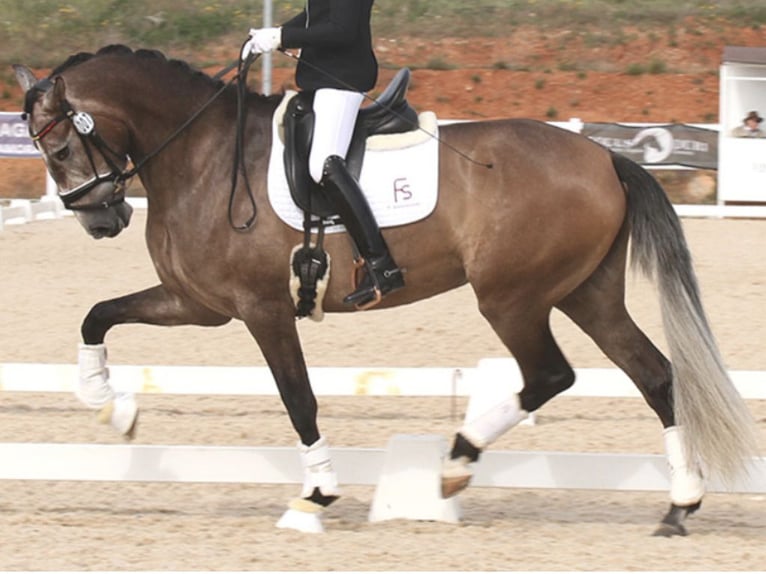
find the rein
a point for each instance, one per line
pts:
(239, 147)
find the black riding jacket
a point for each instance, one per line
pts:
(334, 36)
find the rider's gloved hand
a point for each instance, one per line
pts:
(262, 40)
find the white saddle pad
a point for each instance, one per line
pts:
(400, 175)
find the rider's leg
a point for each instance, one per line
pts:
(335, 114)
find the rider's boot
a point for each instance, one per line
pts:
(383, 275)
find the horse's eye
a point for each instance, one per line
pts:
(62, 154)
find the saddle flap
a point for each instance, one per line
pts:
(298, 134)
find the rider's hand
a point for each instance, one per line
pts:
(262, 40)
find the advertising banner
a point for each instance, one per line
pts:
(672, 144)
(14, 137)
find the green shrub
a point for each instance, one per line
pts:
(439, 63)
(657, 67)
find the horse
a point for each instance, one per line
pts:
(532, 216)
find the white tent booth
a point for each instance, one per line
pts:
(741, 161)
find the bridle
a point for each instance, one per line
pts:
(85, 127)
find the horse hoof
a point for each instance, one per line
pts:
(122, 414)
(673, 523)
(452, 485)
(130, 434)
(669, 530)
(456, 475)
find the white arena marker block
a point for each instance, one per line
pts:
(410, 482)
(497, 380)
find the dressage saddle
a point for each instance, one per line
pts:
(389, 114)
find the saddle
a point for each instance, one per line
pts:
(389, 114)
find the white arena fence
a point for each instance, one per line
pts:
(281, 465)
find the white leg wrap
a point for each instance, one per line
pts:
(93, 388)
(317, 468)
(487, 427)
(686, 483)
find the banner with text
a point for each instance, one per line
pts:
(672, 144)
(14, 137)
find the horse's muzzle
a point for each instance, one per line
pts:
(107, 222)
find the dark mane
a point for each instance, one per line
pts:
(121, 50)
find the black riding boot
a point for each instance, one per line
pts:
(383, 275)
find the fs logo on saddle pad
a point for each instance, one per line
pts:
(399, 175)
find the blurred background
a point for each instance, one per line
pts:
(597, 60)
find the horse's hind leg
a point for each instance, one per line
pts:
(545, 371)
(597, 307)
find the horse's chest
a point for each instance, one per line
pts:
(185, 263)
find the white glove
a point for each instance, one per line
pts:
(262, 40)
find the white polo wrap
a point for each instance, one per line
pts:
(487, 427)
(686, 483)
(93, 388)
(317, 469)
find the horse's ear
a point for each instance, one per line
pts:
(25, 77)
(53, 97)
(59, 90)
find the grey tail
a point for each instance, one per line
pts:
(719, 429)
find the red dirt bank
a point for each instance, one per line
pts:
(551, 77)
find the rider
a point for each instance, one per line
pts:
(338, 62)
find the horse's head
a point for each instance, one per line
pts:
(83, 150)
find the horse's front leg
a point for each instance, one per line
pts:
(154, 306)
(275, 331)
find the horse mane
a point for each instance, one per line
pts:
(122, 50)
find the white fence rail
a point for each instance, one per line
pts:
(280, 465)
(331, 381)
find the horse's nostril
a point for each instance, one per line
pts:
(101, 231)
(98, 232)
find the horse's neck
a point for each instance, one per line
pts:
(202, 149)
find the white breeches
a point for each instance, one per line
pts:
(335, 113)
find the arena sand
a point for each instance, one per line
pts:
(53, 273)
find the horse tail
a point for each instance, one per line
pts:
(719, 429)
